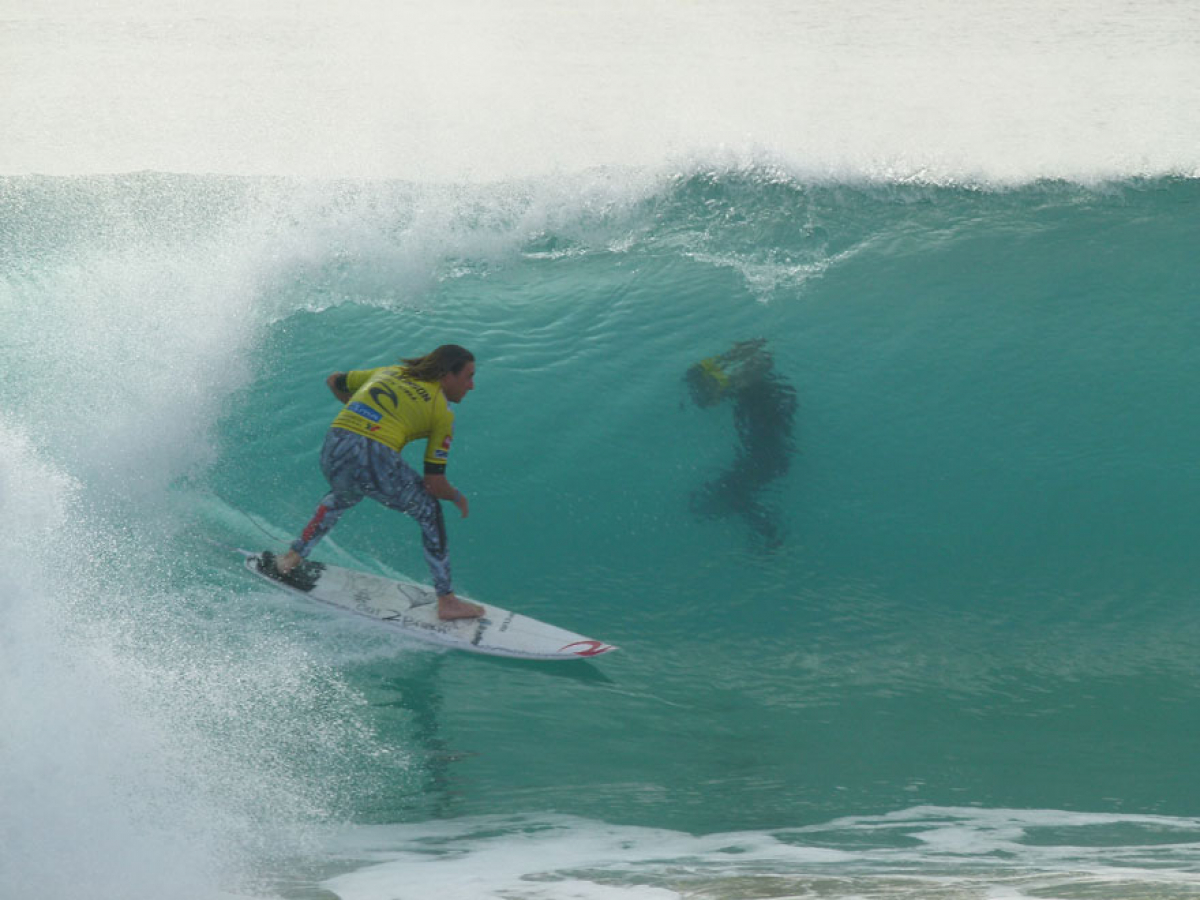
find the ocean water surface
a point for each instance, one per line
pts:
(930, 632)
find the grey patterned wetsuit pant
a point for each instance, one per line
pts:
(358, 467)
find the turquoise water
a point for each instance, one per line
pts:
(970, 669)
(950, 653)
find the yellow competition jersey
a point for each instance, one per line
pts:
(393, 409)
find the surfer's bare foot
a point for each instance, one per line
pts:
(287, 562)
(450, 607)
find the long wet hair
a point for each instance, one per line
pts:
(445, 360)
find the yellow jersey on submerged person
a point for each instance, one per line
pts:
(708, 380)
(388, 406)
(743, 365)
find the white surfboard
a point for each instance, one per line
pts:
(412, 609)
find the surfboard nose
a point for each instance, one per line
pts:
(587, 648)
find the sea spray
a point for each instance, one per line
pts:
(154, 744)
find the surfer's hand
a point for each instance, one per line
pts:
(442, 489)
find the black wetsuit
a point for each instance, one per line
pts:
(764, 413)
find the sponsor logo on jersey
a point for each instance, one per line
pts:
(365, 411)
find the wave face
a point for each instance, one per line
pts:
(938, 634)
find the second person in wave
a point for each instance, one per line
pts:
(386, 408)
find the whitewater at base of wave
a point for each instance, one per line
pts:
(922, 853)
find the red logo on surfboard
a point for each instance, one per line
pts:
(587, 648)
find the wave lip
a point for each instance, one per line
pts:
(1008, 92)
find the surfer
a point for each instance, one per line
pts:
(384, 409)
(764, 413)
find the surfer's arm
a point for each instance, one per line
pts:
(440, 487)
(337, 384)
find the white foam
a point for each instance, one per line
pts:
(1007, 91)
(947, 852)
(147, 751)
(494, 858)
(78, 773)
